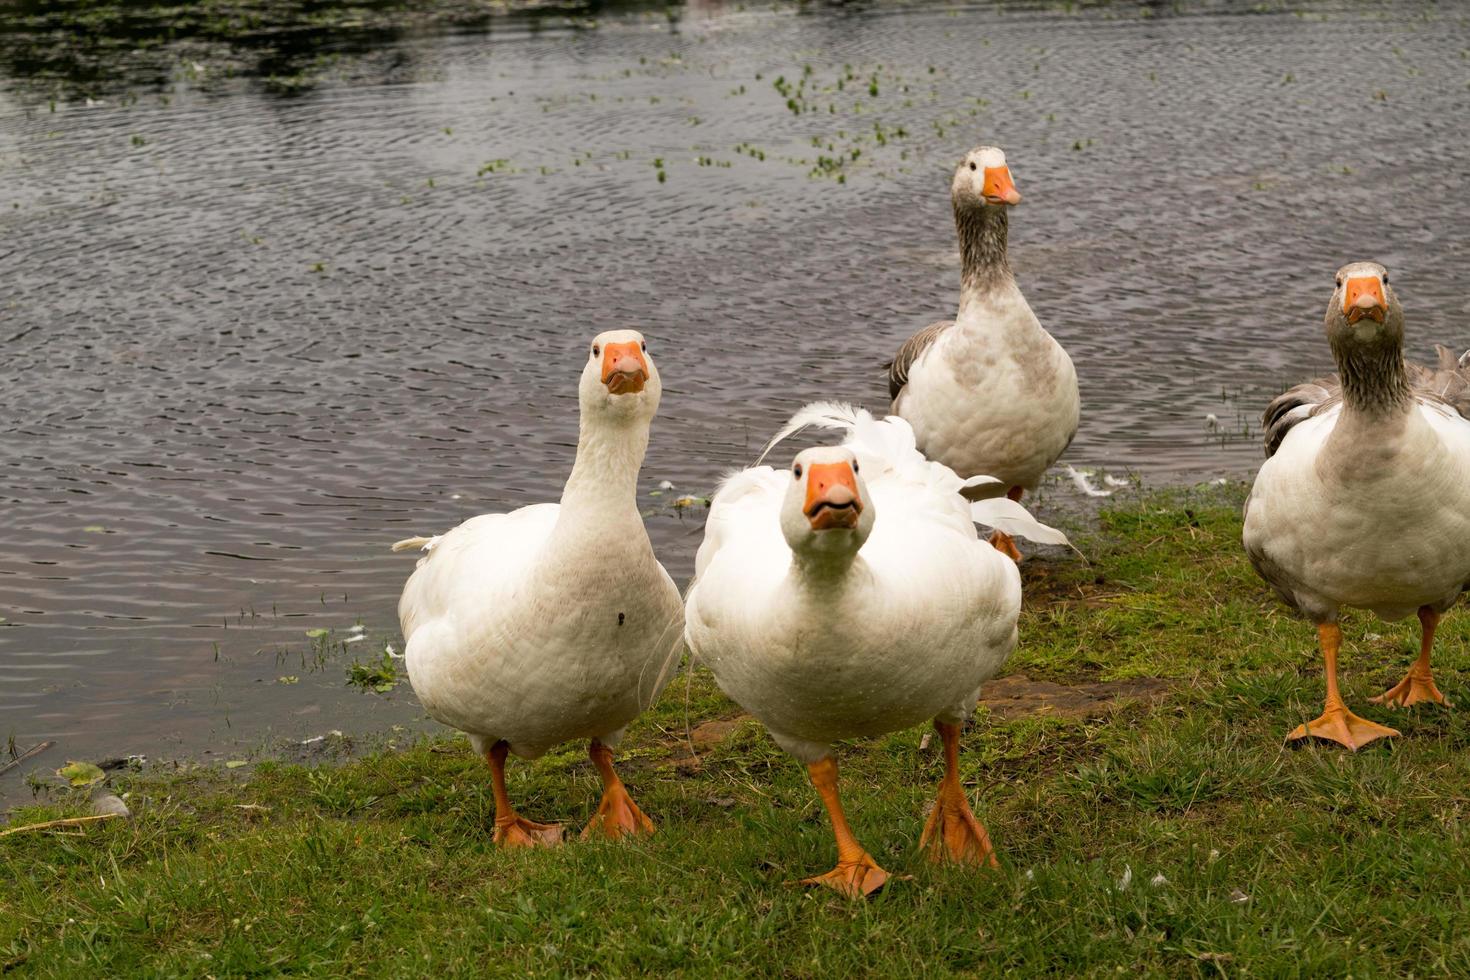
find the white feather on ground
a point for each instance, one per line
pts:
(1083, 482)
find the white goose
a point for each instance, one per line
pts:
(555, 621)
(1364, 499)
(849, 596)
(989, 391)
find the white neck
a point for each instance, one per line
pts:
(821, 574)
(603, 486)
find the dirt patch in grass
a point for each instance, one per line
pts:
(704, 738)
(1018, 696)
(1008, 698)
(1066, 582)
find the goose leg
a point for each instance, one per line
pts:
(953, 833)
(1337, 723)
(1003, 542)
(512, 829)
(617, 815)
(857, 875)
(1418, 684)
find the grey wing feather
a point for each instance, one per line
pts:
(1294, 405)
(898, 368)
(1448, 381)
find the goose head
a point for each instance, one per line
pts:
(827, 513)
(619, 381)
(1364, 314)
(983, 179)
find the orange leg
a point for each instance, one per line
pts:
(857, 875)
(512, 829)
(1337, 723)
(617, 815)
(1003, 542)
(1418, 684)
(1006, 545)
(953, 833)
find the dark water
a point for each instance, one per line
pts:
(255, 329)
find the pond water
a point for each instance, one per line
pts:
(262, 316)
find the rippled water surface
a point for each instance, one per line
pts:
(254, 330)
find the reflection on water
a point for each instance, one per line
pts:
(248, 341)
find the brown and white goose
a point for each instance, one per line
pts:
(1364, 498)
(989, 391)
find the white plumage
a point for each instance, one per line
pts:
(555, 621)
(827, 634)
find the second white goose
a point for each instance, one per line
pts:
(849, 596)
(554, 622)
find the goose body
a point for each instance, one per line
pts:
(527, 627)
(922, 617)
(1364, 499)
(1324, 507)
(893, 615)
(989, 392)
(555, 621)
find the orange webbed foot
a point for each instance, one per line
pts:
(617, 816)
(955, 835)
(517, 831)
(1411, 690)
(1340, 725)
(858, 878)
(1006, 545)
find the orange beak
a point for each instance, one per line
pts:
(1363, 296)
(998, 187)
(832, 498)
(624, 368)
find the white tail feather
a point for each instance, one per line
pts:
(826, 415)
(983, 488)
(1005, 514)
(414, 544)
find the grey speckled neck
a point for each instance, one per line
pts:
(1374, 378)
(982, 232)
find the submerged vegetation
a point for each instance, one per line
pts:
(85, 48)
(1174, 835)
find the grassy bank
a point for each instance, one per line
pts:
(1177, 835)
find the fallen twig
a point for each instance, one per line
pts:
(65, 822)
(33, 750)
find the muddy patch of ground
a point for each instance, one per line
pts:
(1017, 696)
(1007, 698)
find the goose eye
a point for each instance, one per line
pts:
(595, 350)
(797, 470)
(854, 466)
(1339, 282)
(645, 347)
(972, 164)
(1385, 279)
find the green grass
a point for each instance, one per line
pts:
(1276, 861)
